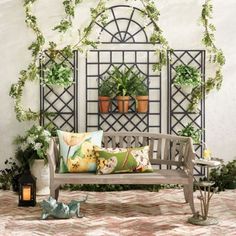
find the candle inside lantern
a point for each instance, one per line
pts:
(26, 193)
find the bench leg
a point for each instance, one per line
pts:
(54, 192)
(188, 194)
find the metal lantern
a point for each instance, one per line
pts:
(27, 189)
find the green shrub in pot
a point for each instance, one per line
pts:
(105, 94)
(59, 75)
(125, 82)
(187, 78)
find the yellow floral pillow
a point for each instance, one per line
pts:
(77, 151)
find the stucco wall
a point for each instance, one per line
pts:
(179, 22)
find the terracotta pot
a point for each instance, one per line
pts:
(123, 103)
(104, 104)
(142, 103)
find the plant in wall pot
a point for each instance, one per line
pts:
(141, 93)
(32, 152)
(190, 131)
(58, 76)
(124, 81)
(187, 78)
(105, 93)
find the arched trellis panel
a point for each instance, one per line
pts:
(124, 27)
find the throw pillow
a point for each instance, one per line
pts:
(77, 151)
(122, 160)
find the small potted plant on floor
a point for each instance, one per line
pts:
(124, 81)
(105, 93)
(190, 131)
(141, 93)
(32, 153)
(58, 76)
(187, 78)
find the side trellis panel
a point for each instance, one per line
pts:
(58, 106)
(178, 114)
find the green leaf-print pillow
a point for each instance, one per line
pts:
(121, 160)
(77, 151)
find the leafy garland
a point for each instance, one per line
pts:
(31, 73)
(216, 57)
(151, 11)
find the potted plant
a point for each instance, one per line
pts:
(124, 81)
(32, 152)
(58, 76)
(105, 92)
(187, 78)
(190, 131)
(141, 92)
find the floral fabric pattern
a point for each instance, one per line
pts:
(121, 160)
(77, 151)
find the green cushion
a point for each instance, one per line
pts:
(121, 160)
(77, 151)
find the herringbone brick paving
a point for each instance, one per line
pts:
(128, 213)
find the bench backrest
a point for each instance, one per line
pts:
(165, 150)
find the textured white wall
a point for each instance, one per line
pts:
(178, 20)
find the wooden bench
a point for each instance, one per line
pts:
(171, 157)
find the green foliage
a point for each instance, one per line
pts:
(216, 57)
(8, 174)
(124, 81)
(190, 131)
(63, 26)
(224, 176)
(150, 10)
(31, 73)
(187, 75)
(110, 187)
(58, 74)
(141, 89)
(66, 22)
(33, 145)
(105, 87)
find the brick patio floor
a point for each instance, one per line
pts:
(128, 213)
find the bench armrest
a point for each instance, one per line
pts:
(52, 156)
(189, 157)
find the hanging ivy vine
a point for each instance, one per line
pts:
(31, 73)
(157, 38)
(216, 57)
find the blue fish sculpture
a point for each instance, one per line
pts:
(59, 210)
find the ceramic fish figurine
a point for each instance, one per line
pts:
(60, 210)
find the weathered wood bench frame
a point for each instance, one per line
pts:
(171, 154)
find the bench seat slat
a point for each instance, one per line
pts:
(157, 177)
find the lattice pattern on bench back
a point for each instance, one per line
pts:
(166, 151)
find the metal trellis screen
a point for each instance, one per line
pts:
(178, 101)
(58, 105)
(98, 67)
(126, 30)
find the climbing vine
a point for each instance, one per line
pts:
(157, 38)
(31, 73)
(216, 57)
